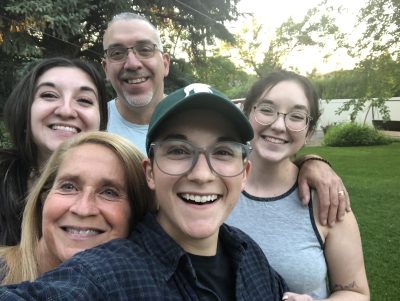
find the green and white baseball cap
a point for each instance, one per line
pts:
(198, 96)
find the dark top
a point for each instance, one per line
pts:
(14, 175)
(150, 266)
(216, 273)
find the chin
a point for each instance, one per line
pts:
(202, 231)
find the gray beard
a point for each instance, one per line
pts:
(138, 102)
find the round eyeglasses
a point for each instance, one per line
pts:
(120, 53)
(295, 121)
(177, 157)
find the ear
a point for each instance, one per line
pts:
(148, 172)
(245, 174)
(166, 61)
(104, 65)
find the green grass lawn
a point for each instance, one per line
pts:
(372, 178)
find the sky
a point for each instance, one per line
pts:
(271, 14)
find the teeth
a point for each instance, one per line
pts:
(200, 198)
(275, 140)
(137, 80)
(65, 128)
(82, 231)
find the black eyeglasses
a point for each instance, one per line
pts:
(295, 121)
(141, 50)
(177, 157)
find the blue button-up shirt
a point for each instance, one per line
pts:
(150, 266)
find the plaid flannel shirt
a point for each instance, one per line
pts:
(149, 266)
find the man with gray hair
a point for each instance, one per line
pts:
(136, 66)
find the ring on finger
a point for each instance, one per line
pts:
(341, 193)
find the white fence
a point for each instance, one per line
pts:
(329, 115)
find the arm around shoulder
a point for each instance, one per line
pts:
(316, 172)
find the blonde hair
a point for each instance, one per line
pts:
(21, 262)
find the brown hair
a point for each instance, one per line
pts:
(271, 80)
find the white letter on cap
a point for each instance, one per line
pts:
(197, 88)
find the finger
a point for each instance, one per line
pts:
(334, 205)
(324, 204)
(287, 296)
(304, 191)
(342, 205)
(347, 199)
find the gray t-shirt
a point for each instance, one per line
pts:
(136, 133)
(286, 232)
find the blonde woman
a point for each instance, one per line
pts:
(92, 190)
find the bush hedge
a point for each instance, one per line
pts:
(353, 134)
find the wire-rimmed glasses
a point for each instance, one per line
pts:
(295, 121)
(143, 50)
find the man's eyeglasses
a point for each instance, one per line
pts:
(177, 157)
(120, 53)
(295, 121)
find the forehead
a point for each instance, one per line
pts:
(286, 93)
(128, 32)
(89, 154)
(207, 124)
(66, 76)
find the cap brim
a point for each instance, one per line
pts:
(206, 101)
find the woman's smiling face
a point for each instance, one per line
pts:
(65, 103)
(186, 221)
(87, 205)
(275, 142)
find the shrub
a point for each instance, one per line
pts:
(327, 127)
(353, 134)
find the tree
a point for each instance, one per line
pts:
(376, 77)
(315, 28)
(221, 73)
(382, 33)
(378, 70)
(34, 29)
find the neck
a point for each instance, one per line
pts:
(35, 172)
(46, 260)
(270, 179)
(136, 115)
(202, 247)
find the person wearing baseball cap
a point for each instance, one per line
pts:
(197, 165)
(198, 96)
(197, 147)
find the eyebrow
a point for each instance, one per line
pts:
(145, 41)
(53, 85)
(183, 137)
(271, 102)
(78, 179)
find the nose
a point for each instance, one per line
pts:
(85, 205)
(66, 109)
(132, 62)
(280, 122)
(201, 171)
